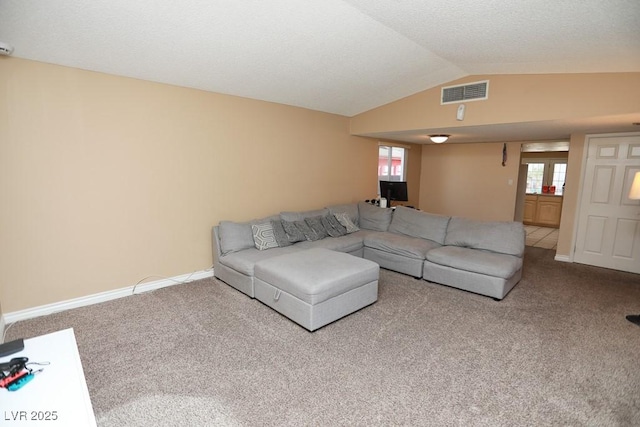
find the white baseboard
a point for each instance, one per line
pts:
(44, 310)
(562, 258)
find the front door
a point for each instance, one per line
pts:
(608, 221)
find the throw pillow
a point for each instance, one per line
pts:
(293, 233)
(344, 219)
(301, 216)
(333, 226)
(308, 232)
(315, 224)
(263, 236)
(281, 236)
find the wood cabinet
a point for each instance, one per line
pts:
(542, 210)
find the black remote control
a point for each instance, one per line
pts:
(11, 347)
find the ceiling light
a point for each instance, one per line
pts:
(438, 139)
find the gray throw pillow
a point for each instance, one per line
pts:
(293, 233)
(315, 224)
(308, 232)
(301, 216)
(350, 209)
(263, 236)
(333, 226)
(281, 236)
(344, 219)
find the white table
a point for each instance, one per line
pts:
(58, 396)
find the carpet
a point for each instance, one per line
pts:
(556, 351)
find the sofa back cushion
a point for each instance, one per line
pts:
(301, 216)
(373, 217)
(502, 237)
(237, 236)
(412, 222)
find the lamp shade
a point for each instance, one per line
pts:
(438, 139)
(634, 192)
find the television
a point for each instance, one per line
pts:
(394, 190)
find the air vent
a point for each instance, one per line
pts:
(470, 92)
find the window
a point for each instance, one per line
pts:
(550, 172)
(391, 163)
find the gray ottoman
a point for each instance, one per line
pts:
(314, 287)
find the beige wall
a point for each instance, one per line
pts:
(570, 200)
(512, 99)
(469, 180)
(107, 180)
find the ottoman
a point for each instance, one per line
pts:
(317, 286)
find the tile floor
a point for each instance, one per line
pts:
(541, 237)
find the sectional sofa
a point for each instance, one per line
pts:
(481, 257)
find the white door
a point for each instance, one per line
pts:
(608, 221)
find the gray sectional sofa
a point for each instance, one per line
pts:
(481, 257)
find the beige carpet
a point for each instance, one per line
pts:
(556, 351)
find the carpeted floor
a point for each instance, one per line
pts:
(556, 351)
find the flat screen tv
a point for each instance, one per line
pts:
(394, 190)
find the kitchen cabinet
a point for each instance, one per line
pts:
(542, 210)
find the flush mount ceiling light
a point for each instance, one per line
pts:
(438, 139)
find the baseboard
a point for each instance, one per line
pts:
(562, 258)
(44, 310)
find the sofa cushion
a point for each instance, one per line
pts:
(235, 236)
(244, 261)
(351, 209)
(503, 237)
(349, 243)
(373, 217)
(476, 261)
(301, 216)
(415, 223)
(410, 247)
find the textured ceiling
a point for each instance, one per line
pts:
(338, 56)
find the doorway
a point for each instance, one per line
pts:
(541, 177)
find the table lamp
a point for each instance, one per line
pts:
(634, 194)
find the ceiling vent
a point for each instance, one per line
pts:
(476, 91)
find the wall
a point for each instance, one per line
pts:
(573, 186)
(512, 99)
(107, 180)
(469, 180)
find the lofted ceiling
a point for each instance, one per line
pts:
(338, 56)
